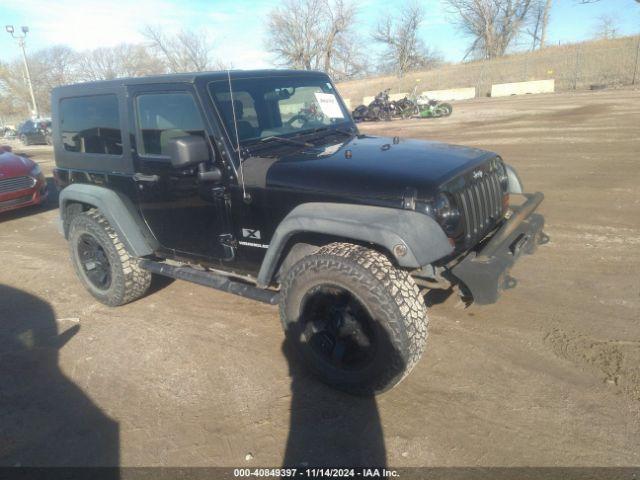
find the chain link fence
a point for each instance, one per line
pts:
(589, 65)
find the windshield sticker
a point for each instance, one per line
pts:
(329, 105)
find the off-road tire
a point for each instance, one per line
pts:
(128, 281)
(389, 294)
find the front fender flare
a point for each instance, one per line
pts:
(119, 212)
(423, 238)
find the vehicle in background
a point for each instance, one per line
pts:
(411, 106)
(380, 109)
(22, 182)
(427, 107)
(8, 131)
(34, 132)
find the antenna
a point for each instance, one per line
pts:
(245, 197)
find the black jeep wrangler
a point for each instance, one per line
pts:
(258, 183)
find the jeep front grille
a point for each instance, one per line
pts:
(481, 206)
(16, 184)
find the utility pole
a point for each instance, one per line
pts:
(635, 67)
(21, 43)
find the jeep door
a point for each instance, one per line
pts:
(187, 216)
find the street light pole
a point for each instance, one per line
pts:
(21, 43)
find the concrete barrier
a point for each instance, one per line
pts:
(347, 102)
(523, 88)
(367, 100)
(451, 94)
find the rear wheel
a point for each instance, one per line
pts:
(102, 262)
(359, 323)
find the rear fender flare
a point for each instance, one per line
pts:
(119, 212)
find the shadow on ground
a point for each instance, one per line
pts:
(45, 419)
(328, 427)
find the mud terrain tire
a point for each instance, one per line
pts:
(124, 280)
(391, 303)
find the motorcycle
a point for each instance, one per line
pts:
(428, 108)
(411, 106)
(381, 108)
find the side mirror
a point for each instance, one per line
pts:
(187, 151)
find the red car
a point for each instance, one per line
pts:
(21, 181)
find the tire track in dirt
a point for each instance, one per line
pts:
(617, 362)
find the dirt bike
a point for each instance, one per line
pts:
(434, 109)
(420, 106)
(427, 108)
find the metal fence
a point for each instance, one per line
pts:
(579, 66)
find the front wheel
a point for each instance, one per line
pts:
(446, 109)
(359, 323)
(102, 262)
(25, 140)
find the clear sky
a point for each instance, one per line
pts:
(236, 28)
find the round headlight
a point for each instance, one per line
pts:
(501, 170)
(446, 213)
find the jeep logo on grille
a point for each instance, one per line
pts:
(477, 174)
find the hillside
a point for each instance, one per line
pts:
(576, 66)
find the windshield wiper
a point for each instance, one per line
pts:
(258, 144)
(329, 129)
(286, 140)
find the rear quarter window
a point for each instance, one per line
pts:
(91, 124)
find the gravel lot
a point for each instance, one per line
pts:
(187, 376)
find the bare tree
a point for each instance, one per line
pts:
(405, 51)
(315, 35)
(183, 52)
(13, 87)
(9, 110)
(124, 60)
(606, 27)
(493, 24)
(50, 67)
(540, 13)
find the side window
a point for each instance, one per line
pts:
(91, 124)
(163, 116)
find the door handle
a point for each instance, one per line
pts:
(141, 177)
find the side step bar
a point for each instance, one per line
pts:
(212, 280)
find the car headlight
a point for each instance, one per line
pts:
(36, 171)
(443, 210)
(446, 213)
(503, 177)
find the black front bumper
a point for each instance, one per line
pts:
(485, 273)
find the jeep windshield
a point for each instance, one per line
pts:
(279, 107)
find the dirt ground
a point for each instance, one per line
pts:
(548, 376)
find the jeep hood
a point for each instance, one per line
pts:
(366, 166)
